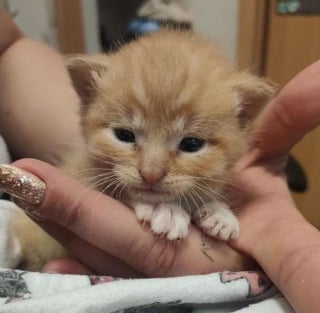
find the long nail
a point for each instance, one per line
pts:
(21, 184)
(29, 209)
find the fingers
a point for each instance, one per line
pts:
(92, 257)
(67, 266)
(293, 113)
(110, 227)
(91, 216)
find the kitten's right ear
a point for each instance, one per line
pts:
(85, 72)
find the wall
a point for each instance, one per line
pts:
(219, 20)
(35, 18)
(215, 18)
(90, 26)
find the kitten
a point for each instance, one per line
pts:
(164, 120)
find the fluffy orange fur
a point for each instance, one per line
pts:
(163, 88)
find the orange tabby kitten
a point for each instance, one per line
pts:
(165, 119)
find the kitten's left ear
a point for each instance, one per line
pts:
(253, 94)
(85, 72)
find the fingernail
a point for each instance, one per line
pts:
(29, 209)
(21, 184)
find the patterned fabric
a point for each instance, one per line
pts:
(217, 293)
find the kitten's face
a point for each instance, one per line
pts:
(164, 119)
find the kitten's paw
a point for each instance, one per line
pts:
(10, 247)
(172, 220)
(143, 211)
(218, 221)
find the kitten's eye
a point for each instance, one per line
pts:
(190, 144)
(124, 135)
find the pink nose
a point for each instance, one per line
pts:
(152, 177)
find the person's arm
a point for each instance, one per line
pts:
(38, 107)
(9, 32)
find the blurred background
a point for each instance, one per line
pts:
(272, 38)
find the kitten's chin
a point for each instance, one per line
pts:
(150, 196)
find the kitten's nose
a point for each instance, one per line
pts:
(152, 177)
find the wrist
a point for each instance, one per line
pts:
(282, 250)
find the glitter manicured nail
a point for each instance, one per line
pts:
(29, 209)
(21, 184)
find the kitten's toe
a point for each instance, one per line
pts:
(143, 211)
(179, 225)
(161, 220)
(10, 247)
(172, 220)
(222, 224)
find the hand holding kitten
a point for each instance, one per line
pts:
(266, 219)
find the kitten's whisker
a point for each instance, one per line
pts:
(212, 193)
(114, 191)
(187, 203)
(194, 191)
(124, 186)
(189, 195)
(102, 160)
(97, 184)
(213, 180)
(102, 178)
(103, 191)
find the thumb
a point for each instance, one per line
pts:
(293, 113)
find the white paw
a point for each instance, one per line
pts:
(217, 220)
(170, 219)
(10, 248)
(143, 211)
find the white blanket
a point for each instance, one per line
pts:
(219, 292)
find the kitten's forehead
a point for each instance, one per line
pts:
(138, 121)
(163, 77)
(142, 122)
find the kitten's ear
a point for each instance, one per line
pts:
(253, 94)
(85, 72)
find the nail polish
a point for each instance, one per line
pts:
(21, 184)
(29, 209)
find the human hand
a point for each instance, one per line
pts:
(270, 223)
(104, 234)
(269, 208)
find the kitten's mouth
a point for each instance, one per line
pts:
(150, 194)
(149, 189)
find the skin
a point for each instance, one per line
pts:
(273, 231)
(10, 33)
(44, 87)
